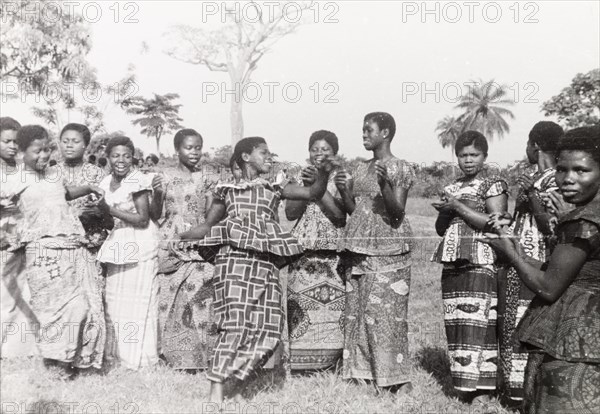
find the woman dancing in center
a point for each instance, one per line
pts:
(252, 248)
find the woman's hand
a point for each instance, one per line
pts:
(329, 163)
(498, 222)
(526, 183)
(342, 181)
(173, 244)
(555, 204)
(382, 173)
(158, 185)
(309, 175)
(502, 243)
(447, 203)
(96, 193)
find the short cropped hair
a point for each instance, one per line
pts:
(82, 129)
(9, 124)
(383, 121)
(117, 141)
(153, 158)
(545, 134)
(326, 136)
(582, 139)
(29, 133)
(475, 138)
(244, 146)
(181, 134)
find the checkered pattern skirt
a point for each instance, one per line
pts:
(249, 313)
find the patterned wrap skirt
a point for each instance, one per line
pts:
(315, 306)
(470, 302)
(248, 308)
(132, 314)
(186, 315)
(17, 318)
(557, 386)
(376, 327)
(513, 299)
(66, 297)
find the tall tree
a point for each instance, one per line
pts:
(46, 55)
(236, 48)
(484, 111)
(448, 130)
(156, 116)
(579, 103)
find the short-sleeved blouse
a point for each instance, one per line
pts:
(85, 174)
(184, 207)
(251, 222)
(46, 212)
(459, 242)
(369, 230)
(127, 244)
(524, 225)
(569, 328)
(314, 230)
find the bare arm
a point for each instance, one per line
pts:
(215, 213)
(495, 204)
(541, 215)
(158, 199)
(294, 209)
(565, 263)
(443, 221)
(138, 219)
(73, 192)
(345, 187)
(313, 193)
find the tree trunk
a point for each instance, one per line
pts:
(237, 121)
(158, 135)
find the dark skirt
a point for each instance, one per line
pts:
(248, 308)
(469, 295)
(557, 386)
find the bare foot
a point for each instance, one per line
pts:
(216, 392)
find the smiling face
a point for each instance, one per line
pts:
(577, 176)
(260, 160)
(121, 160)
(373, 137)
(37, 155)
(8, 145)
(190, 151)
(319, 151)
(72, 145)
(470, 160)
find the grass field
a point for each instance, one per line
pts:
(28, 387)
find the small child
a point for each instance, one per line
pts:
(252, 247)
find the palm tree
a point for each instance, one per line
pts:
(449, 129)
(484, 112)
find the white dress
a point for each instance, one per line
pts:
(131, 258)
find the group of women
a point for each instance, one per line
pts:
(200, 274)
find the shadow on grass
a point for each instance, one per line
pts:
(434, 359)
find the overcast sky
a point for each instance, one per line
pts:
(373, 56)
